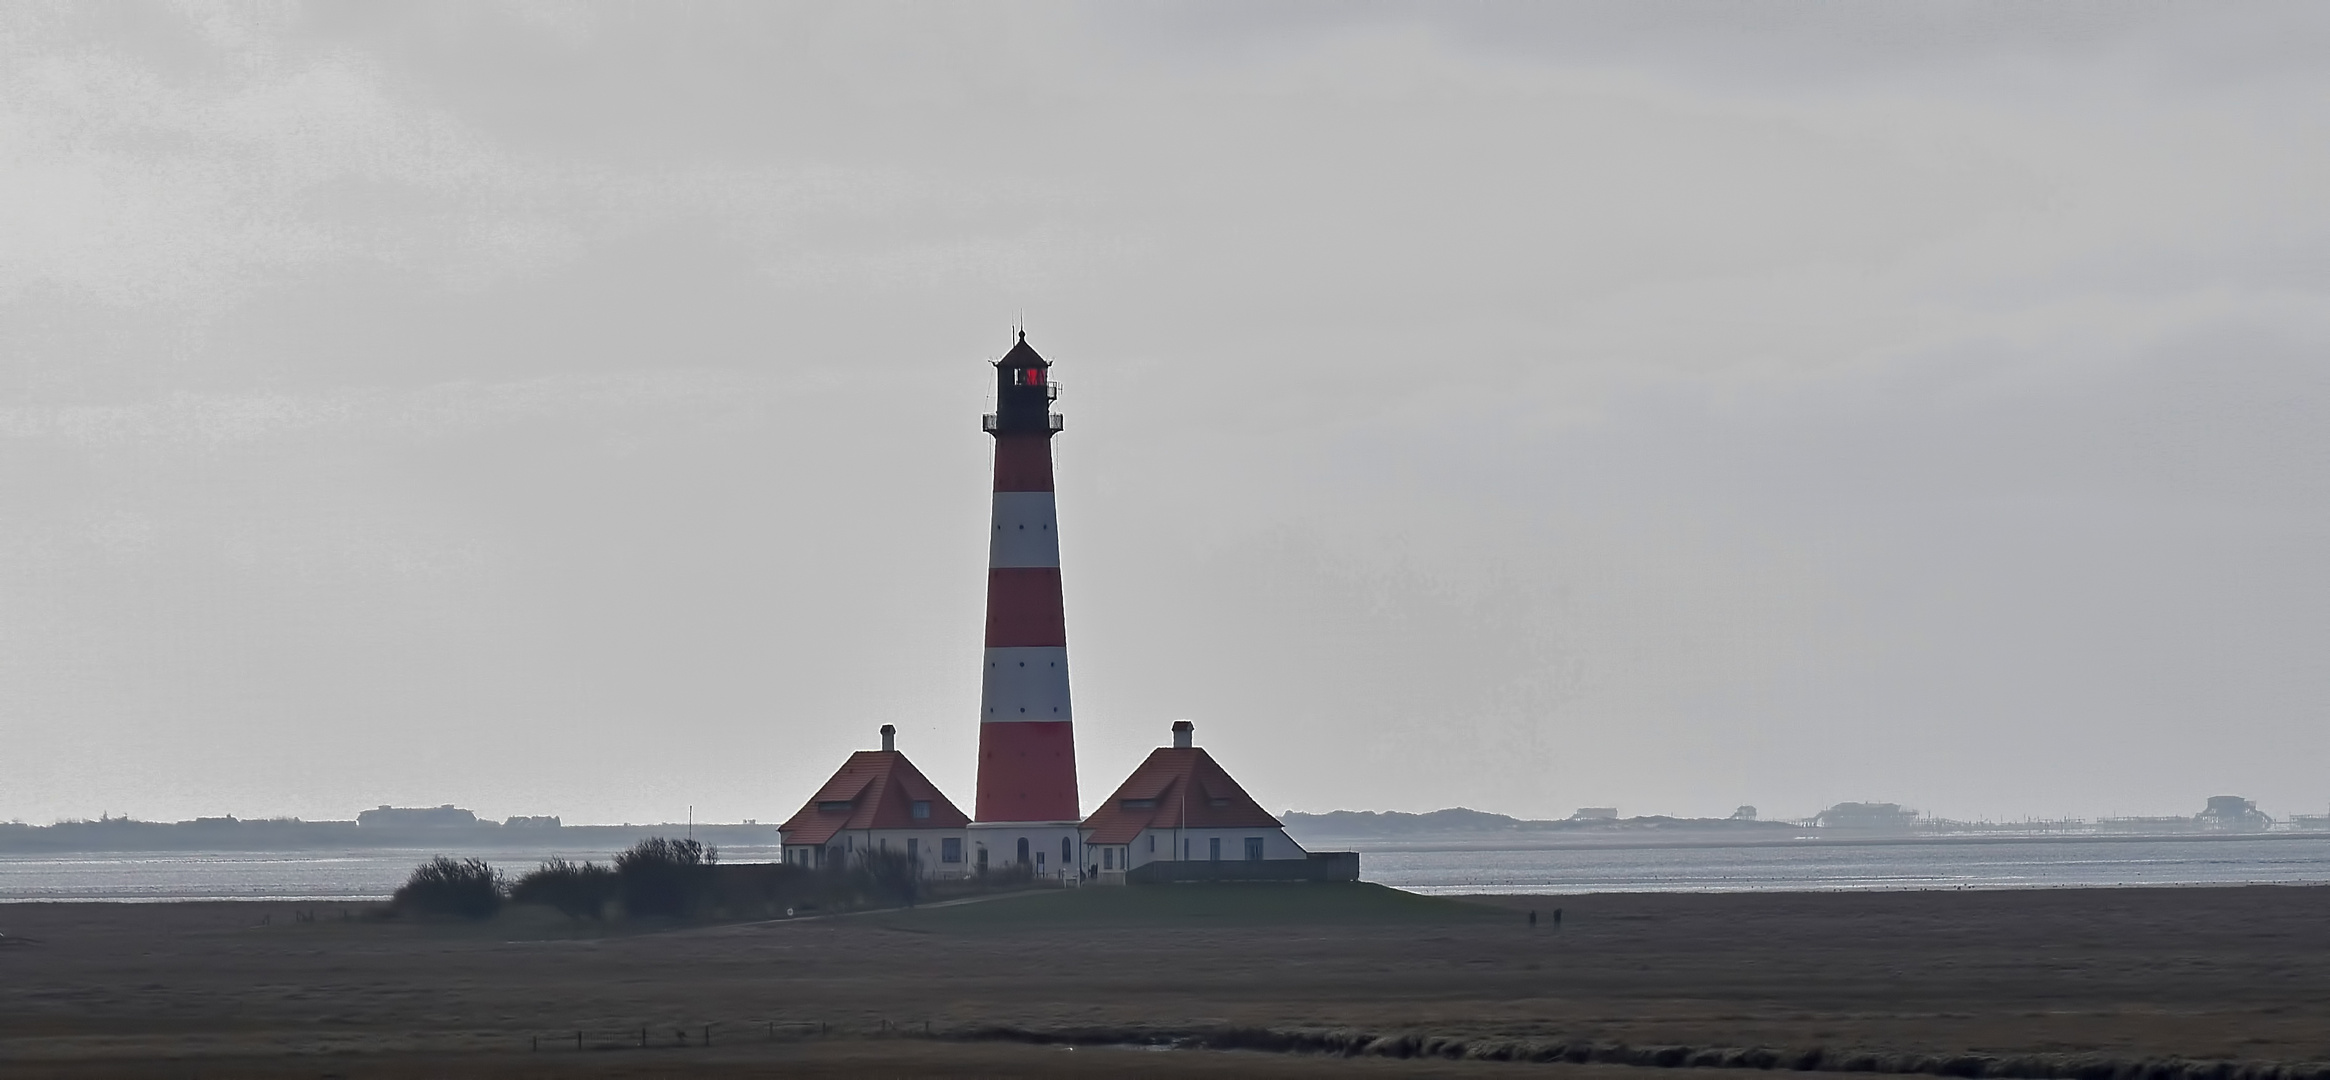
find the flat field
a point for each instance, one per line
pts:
(1886, 981)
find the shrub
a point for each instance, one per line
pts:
(579, 891)
(468, 888)
(664, 877)
(1006, 876)
(888, 877)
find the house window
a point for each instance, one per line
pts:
(1213, 848)
(1253, 849)
(1152, 843)
(1108, 858)
(921, 810)
(914, 849)
(950, 849)
(1138, 804)
(1067, 853)
(1023, 849)
(831, 806)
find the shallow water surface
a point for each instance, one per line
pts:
(368, 875)
(1826, 865)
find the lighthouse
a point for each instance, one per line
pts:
(1025, 813)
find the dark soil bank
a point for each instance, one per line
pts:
(2168, 983)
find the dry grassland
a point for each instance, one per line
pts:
(2121, 976)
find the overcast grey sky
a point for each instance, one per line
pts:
(574, 409)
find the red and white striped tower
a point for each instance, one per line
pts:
(1026, 810)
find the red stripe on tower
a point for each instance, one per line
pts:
(1027, 742)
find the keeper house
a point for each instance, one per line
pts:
(1182, 808)
(878, 802)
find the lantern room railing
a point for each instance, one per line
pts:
(1052, 422)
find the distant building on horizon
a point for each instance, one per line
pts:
(1866, 817)
(2232, 813)
(447, 816)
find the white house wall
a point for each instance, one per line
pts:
(1275, 845)
(852, 842)
(1002, 840)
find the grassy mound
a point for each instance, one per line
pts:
(1202, 905)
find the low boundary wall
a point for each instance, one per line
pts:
(1320, 866)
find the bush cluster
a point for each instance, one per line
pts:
(678, 879)
(469, 888)
(665, 877)
(578, 891)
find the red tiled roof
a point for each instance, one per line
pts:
(874, 789)
(1182, 789)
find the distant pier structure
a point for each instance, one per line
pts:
(1025, 810)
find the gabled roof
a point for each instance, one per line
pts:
(874, 789)
(1175, 789)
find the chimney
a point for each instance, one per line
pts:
(889, 737)
(1184, 734)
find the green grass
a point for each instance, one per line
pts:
(1199, 905)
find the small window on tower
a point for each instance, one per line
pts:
(1035, 376)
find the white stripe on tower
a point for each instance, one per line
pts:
(1025, 682)
(1026, 530)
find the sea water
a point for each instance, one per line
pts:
(320, 876)
(371, 874)
(1969, 863)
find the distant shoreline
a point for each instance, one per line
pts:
(122, 837)
(290, 836)
(1811, 838)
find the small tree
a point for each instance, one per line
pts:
(468, 888)
(579, 891)
(659, 876)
